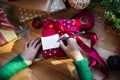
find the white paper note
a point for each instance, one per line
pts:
(50, 42)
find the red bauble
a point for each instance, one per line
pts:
(37, 23)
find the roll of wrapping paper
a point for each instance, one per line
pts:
(85, 20)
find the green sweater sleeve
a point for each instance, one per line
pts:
(83, 70)
(12, 67)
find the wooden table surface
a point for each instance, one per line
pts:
(63, 69)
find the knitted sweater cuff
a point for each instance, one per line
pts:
(83, 69)
(12, 67)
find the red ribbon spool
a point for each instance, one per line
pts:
(85, 20)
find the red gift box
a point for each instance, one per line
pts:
(58, 27)
(70, 27)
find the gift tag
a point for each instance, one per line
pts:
(50, 42)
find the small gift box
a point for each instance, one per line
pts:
(58, 27)
(4, 22)
(7, 36)
(7, 33)
(83, 21)
(62, 26)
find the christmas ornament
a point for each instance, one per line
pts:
(79, 4)
(37, 23)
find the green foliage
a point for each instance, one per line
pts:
(112, 17)
(112, 11)
(94, 3)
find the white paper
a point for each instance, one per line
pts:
(56, 6)
(50, 42)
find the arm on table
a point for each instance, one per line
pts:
(20, 62)
(12, 67)
(81, 64)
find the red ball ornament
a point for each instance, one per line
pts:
(37, 23)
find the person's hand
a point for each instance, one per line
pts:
(71, 49)
(31, 50)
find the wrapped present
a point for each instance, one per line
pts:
(7, 36)
(7, 33)
(49, 30)
(83, 21)
(7, 48)
(72, 26)
(4, 22)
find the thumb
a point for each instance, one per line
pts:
(62, 45)
(38, 59)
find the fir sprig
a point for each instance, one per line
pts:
(112, 11)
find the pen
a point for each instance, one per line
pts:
(77, 34)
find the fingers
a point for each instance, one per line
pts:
(31, 42)
(26, 45)
(62, 45)
(70, 40)
(36, 42)
(38, 46)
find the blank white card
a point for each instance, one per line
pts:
(50, 42)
